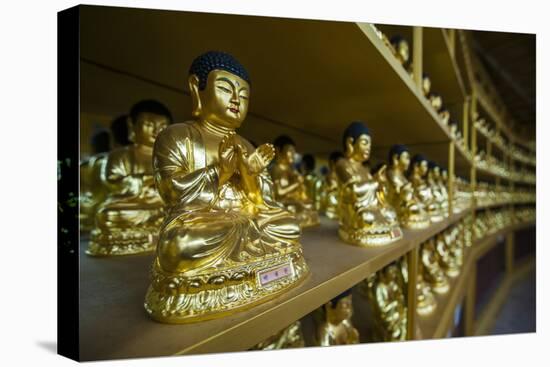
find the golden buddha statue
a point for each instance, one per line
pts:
(226, 244)
(400, 49)
(433, 274)
(417, 175)
(425, 299)
(386, 296)
(455, 242)
(409, 207)
(336, 327)
(127, 222)
(439, 191)
(365, 216)
(92, 175)
(436, 101)
(330, 190)
(290, 337)
(290, 188)
(444, 115)
(312, 181)
(446, 260)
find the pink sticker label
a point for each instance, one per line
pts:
(396, 232)
(274, 274)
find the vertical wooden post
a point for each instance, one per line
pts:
(451, 176)
(466, 122)
(412, 264)
(417, 57)
(452, 42)
(469, 309)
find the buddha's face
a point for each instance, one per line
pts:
(288, 154)
(361, 148)
(404, 161)
(437, 102)
(147, 126)
(343, 310)
(403, 51)
(437, 172)
(224, 100)
(444, 175)
(426, 85)
(423, 167)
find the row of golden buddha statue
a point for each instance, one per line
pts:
(440, 260)
(225, 217)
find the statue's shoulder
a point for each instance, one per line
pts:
(179, 130)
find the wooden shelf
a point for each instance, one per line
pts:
(113, 323)
(437, 324)
(325, 75)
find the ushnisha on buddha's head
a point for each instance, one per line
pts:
(357, 141)
(420, 164)
(400, 157)
(220, 89)
(286, 149)
(146, 120)
(339, 308)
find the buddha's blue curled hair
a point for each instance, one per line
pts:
(334, 301)
(418, 158)
(216, 60)
(397, 149)
(355, 130)
(282, 141)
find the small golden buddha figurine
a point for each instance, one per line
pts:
(336, 327)
(417, 174)
(313, 182)
(226, 244)
(92, 175)
(455, 242)
(444, 115)
(447, 262)
(330, 188)
(387, 299)
(439, 191)
(426, 85)
(290, 188)
(290, 337)
(400, 49)
(436, 101)
(127, 222)
(425, 299)
(433, 274)
(366, 218)
(408, 206)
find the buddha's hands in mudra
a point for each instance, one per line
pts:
(227, 157)
(259, 159)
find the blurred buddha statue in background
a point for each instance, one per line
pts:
(446, 261)
(330, 188)
(312, 181)
(290, 187)
(290, 337)
(120, 133)
(127, 222)
(425, 299)
(409, 207)
(439, 191)
(337, 328)
(226, 243)
(365, 216)
(417, 177)
(431, 268)
(92, 187)
(387, 299)
(401, 50)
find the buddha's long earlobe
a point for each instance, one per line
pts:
(349, 146)
(195, 97)
(131, 131)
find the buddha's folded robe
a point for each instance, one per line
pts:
(211, 225)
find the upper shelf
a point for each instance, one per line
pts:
(324, 75)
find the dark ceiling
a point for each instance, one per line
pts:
(510, 61)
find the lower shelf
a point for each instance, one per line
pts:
(437, 324)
